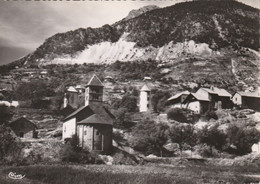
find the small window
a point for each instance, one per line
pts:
(85, 132)
(65, 129)
(235, 99)
(97, 133)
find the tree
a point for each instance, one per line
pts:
(33, 90)
(149, 137)
(72, 153)
(159, 99)
(5, 115)
(182, 135)
(10, 146)
(242, 138)
(5, 112)
(212, 136)
(129, 102)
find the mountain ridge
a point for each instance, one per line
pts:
(218, 24)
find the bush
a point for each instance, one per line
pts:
(159, 99)
(182, 115)
(149, 138)
(210, 115)
(129, 102)
(184, 136)
(213, 137)
(207, 151)
(241, 138)
(10, 146)
(72, 153)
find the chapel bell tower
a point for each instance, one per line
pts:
(94, 91)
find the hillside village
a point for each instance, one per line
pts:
(85, 111)
(128, 97)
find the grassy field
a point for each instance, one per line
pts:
(119, 174)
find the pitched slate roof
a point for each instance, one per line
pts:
(145, 88)
(73, 114)
(92, 109)
(209, 90)
(249, 94)
(221, 92)
(22, 120)
(178, 95)
(94, 81)
(200, 97)
(94, 119)
(196, 97)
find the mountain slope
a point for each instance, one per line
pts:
(195, 28)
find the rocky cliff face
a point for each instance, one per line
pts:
(136, 13)
(201, 28)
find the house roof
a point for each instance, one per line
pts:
(22, 119)
(249, 94)
(94, 81)
(94, 119)
(221, 92)
(73, 114)
(200, 97)
(92, 109)
(178, 95)
(209, 90)
(145, 88)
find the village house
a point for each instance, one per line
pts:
(247, 100)
(197, 102)
(91, 123)
(203, 100)
(177, 100)
(218, 98)
(23, 128)
(224, 100)
(145, 99)
(209, 94)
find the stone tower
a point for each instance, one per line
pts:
(94, 91)
(145, 99)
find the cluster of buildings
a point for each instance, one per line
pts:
(214, 98)
(204, 99)
(92, 122)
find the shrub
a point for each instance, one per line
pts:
(10, 146)
(129, 102)
(206, 151)
(182, 115)
(210, 115)
(72, 153)
(149, 137)
(213, 137)
(182, 135)
(159, 99)
(242, 138)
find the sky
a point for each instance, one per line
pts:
(25, 25)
